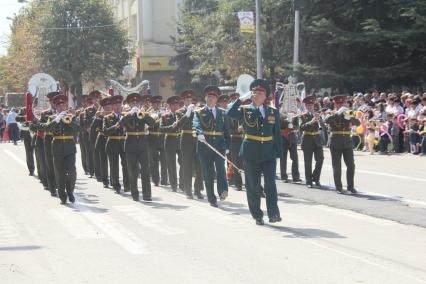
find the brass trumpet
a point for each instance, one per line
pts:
(67, 119)
(349, 113)
(140, 115)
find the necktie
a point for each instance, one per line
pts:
(211, 111)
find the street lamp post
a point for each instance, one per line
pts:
(296, 35)
(258, 41)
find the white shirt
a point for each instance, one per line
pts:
(11, 118)
(213, 110)
(262, 110)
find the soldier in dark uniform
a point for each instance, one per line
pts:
(101, 140)
(341, 145)
(115, 145)
(212, 126)
(81, 133)
(190, 159)
(96, 96)
(47, 161)
(289, 128)
(312, 142)
(63, 126)
(39, 153)
(236, 132)
(89, 134)
(26, 136)
(136, 147)
(168, 125)
(260, 148)
(156, 144)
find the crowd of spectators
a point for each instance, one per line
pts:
(390, 122)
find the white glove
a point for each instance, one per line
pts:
(245, 96)
(189, 110)
(290, 125)
(133, 110)
(342, 110)
(226, 152)
(201, 138)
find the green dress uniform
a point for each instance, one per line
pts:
(190, 161)
(156, 149)
(39, 153)
(115, 150)
(100, 152)
(171, 146)
(64, 151)
(81, 130)
(341, 146)
(215, 128)
(234, 151)
(89, 115)
(47, 139)
(137, 152)
(288, 135)
(312, 145)
(260, 148)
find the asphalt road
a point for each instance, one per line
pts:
(108, 238)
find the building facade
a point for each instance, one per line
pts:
(151, 25)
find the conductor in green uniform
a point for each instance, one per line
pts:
(260, 148)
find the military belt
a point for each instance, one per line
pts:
(188, 132)
(155, 133)
(312, 133)
(117, 137)
(341, 132)
(49, 134)
(63, 137)
(174, 134)
(136, 133)
(258, 138)
(213, 133)
(237, 135)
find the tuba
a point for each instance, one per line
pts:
(243, 84)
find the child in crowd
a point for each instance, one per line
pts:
(413, 135)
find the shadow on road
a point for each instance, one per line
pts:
(18, 248)
(306, 232)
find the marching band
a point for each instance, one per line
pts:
(214, 141)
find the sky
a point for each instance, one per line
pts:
(7, 9)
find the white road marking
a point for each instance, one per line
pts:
(125, 238)
(369, 172)
(365, 260)
(9, 235)
(16, 158)
(75, 224)
(148, 220)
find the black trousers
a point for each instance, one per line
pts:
(113, 159)
(157, 159)
(13, 132)
(317, 152)
(89, 157)
(50, 168)
(96, 161)
(139, 163)
(336, 160)
(29, 150)
(41, 161)
(66, 174)
(292, 148)
(234, 155)
(83, 153)
(190, 162)
(171, 148)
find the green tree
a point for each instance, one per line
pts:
(364, 43)
(80, 41)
